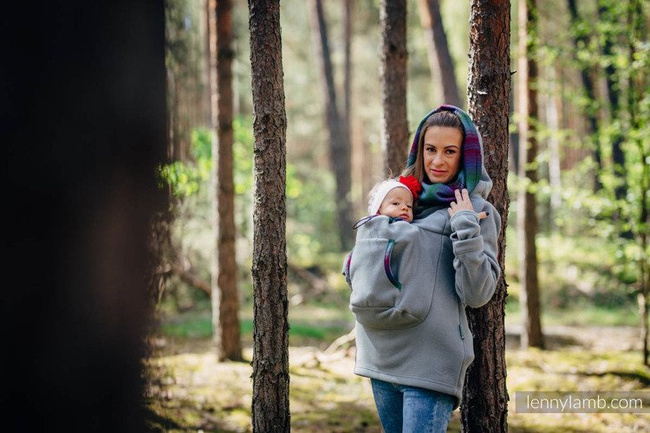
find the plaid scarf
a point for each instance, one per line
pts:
(436, 195)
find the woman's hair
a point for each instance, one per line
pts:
(445, 119)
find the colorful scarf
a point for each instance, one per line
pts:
(435, 195)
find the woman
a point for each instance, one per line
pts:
(417, 371)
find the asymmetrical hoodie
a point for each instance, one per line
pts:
(411, 283)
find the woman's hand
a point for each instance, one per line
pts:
(463, 203)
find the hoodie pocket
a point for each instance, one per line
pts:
(382, 297)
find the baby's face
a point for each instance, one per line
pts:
(398, 203)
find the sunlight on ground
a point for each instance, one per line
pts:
(189, 391)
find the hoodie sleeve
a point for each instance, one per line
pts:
(475, 255)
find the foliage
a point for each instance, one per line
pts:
(591, 248)
(310, 211)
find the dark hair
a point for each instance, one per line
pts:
(444, 119)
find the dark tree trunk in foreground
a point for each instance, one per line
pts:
(270, 405)
(225, 299)
(90, 101)
(339, 140)
(531, 333)
(395, 134)
(442, 65)
(485, 396)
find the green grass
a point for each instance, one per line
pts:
(584, 315)
(308, 325)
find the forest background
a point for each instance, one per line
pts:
(591, 203)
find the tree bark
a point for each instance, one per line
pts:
(225, 298)
(581, 41)
(442, 65)
(270, 400)
(395, 135)
(339, 142)
(531, 334)
(485, 396)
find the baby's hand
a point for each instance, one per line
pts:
(463, 203)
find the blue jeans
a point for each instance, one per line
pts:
(408, 409)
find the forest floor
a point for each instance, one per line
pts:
(188, 391)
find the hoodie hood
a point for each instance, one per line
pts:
(471, 176)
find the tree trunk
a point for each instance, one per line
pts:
(90, 99)
(637, 84)
(270, 400)
(395, 135)
(347, 72)
(613, 95)
(553, 120)
(442, 65)
(225, 298)
(485, 396)
(531, 333)
(581, 41)
(339, 142)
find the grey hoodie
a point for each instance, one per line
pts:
(411, 323)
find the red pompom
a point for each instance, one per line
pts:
(411, 183)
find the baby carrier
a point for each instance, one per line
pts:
(378, 270)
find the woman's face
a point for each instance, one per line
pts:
(442, 153)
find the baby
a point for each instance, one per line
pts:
(381, 261)
(394, 198)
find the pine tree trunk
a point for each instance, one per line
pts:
(339, 142)
(270, 400)
(395, 135)
(225, 298)
(485, 396)
(553, 107)
(613, 95)
(580, 41)
(638, 82)
(531, 334)
(347, 70)
(442, 65)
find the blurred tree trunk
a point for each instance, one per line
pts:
(395, 134)
(443, 71)
(485, 396)
(638, 82)
(186, 70)
(225, 299)
(531, 334)
(581, 42)
(607, 15)
(347, 72)
(270, 401)
(90, 99)
(339, 141)
(553, 107)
